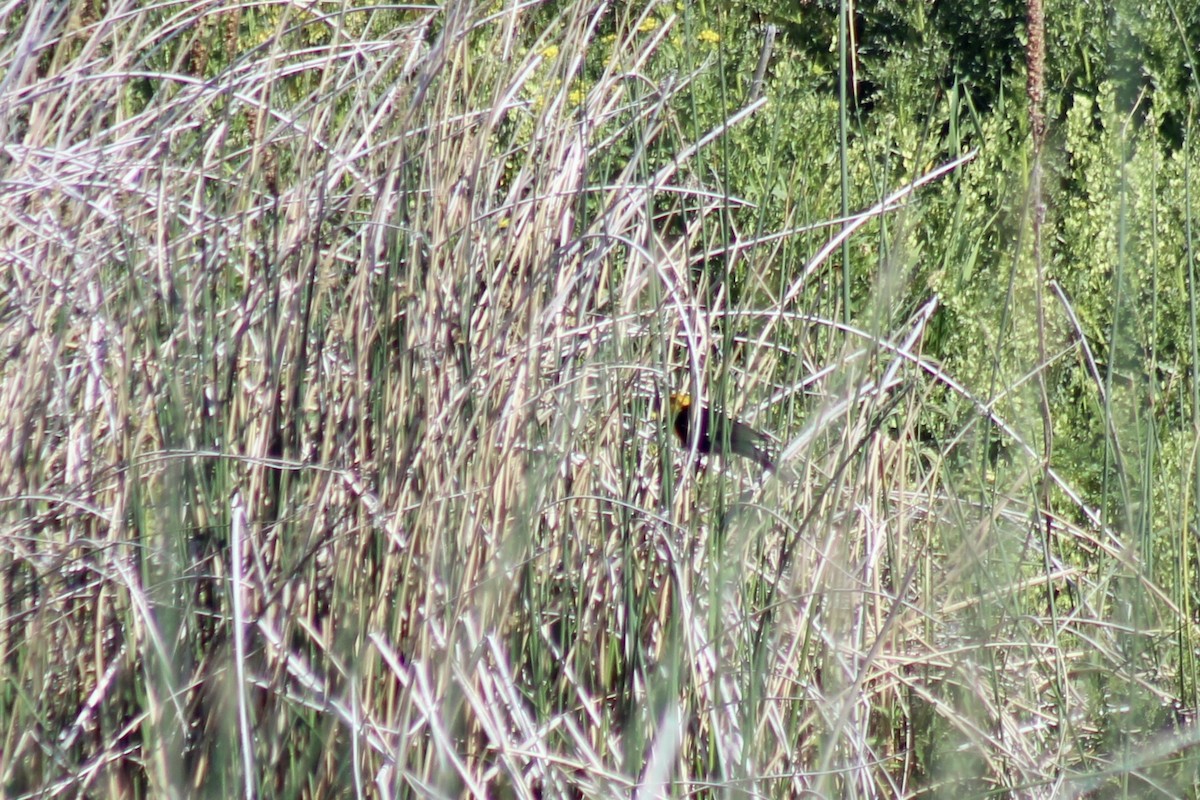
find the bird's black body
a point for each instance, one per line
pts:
(718, 433)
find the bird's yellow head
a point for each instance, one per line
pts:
(680, 402)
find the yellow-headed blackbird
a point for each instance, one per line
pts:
(718, 433)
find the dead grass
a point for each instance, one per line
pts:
(330, 468)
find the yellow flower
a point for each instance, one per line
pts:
(576, 96)
(650, 24)
(550, 52)
(708, 36)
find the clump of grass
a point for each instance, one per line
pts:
(332, 345)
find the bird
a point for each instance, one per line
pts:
(718, 433)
